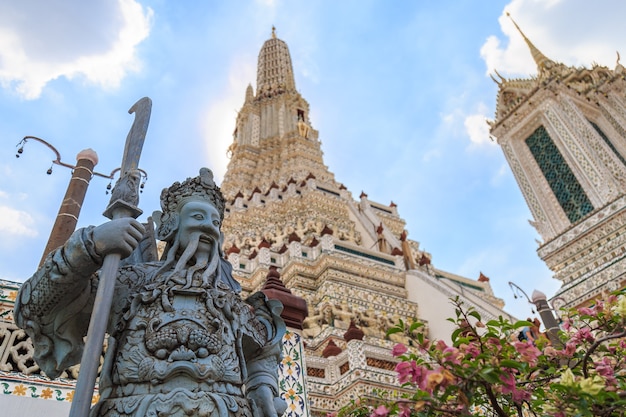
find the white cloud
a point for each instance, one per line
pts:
(498, 178)
(478, 130)
(41, 41)
(574, 32)
(16, 223)
(218, 122)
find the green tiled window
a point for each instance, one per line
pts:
(563, 183)
(607, 141)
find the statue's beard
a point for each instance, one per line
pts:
(184, 271)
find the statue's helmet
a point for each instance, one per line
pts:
(200, 188)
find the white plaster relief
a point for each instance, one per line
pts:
(578, 161)
(281, 121)
(256, 121)
(602, 157)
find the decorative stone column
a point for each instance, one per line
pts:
(292, 370)
(264, 256)
(354, 345)
(232, 254)
(328, 243)
(295, 247)
(239, 201)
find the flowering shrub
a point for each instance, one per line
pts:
(488, 371)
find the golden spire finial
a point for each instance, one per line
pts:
(542, 61)
(273, 32)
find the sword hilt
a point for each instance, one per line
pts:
(125, 197)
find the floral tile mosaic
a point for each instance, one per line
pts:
(12, 383)
(292, 376)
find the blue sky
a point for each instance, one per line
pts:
(398, 90)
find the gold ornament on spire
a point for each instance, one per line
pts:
(273, 32)
(543, 62)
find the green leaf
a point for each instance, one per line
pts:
(509, 363)
(474, 314)
(455, 334)
(415, 325)
(490, 375)
(522, 323)
(394, 330)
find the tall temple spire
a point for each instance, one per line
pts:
(274, 140)
(274, 70)
(544, 64)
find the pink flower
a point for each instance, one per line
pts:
(520, 395)
(440, 345)
(404, 409)
(508, 382)
(398, 350)
(432, 379)
(381, 411)
(570, 349)
(409, 372)
(496, 343)
(471, 349)
(527, 351)
(550, 352)
(452, 355)
(586, 311)
(583, 334)
(509, 387)
(605, 368)
(599, 307)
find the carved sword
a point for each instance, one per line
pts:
(124, 201)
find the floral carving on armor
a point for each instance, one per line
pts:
(182, 335)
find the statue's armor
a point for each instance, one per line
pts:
(176, 349)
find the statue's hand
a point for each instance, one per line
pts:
(118, 236)
(267, 405)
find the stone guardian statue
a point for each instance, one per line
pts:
(182, 341)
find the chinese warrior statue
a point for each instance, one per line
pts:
(182, 341)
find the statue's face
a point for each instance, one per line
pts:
(199, 218)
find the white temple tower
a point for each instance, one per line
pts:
(563, 133)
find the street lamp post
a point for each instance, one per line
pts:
(549, 321)
(67, 217)
(540, 302)
(82, 172)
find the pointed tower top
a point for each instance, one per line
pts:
(295, 308)
(249, 94)
(619, 68)
(544, 63)
(274, 70)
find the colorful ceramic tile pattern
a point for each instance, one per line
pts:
(292, 376)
